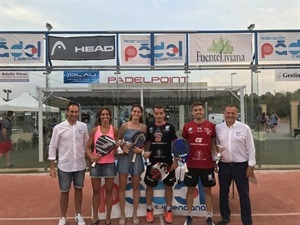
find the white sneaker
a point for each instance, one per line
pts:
(62, 221)
(79, 219)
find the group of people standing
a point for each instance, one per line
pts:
(232, 138)
(269, 122)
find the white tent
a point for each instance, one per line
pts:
(3, 105)
(2, 102)
(25, 103)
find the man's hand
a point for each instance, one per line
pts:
(174, 165)
(52, 172)
(250, 171)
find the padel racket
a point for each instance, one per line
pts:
(138, 140)
(160, 170)
(104, 145)
(181, 151)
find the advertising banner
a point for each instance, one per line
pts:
(83, 77)
(144, 78)
(21, 48)
(14, 76)
(279, 47)
(169, 49)
(220, 48)
(287, 75)
(178, 202)
(81, 48)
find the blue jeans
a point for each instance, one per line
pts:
(65, 179)
(108, 170)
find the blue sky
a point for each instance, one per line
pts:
(110, 15)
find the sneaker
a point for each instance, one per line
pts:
(223, 222)
(168, 216)
(209, 221)
(79, 219)
(149, 216)
(62, 221)
(188, 220)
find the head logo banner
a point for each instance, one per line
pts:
(221, 48)
(279, 47)
(21, 48)
(168, 49)
(81, 48)
(287, 75)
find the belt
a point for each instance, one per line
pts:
(233, 163)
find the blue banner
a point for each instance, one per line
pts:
(82, 77)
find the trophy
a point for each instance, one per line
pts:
(147, 161)
(119, 149)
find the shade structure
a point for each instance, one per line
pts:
(25, 103)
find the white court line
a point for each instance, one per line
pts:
(161, 220)
(161, 217)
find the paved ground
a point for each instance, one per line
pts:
(32, 199)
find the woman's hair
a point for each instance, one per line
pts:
(141, 108)
(98, 120)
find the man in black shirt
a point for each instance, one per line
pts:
(160, 136)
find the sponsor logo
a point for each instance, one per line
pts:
(115, 197)
(162, 52)
(180, 200)
(145, 80)
(59, 45)
(20, 51)
(81, 77)
(198, 154)
(280, 47)
(82, 49)
(222, 51)
(286, 76)
(198, 140)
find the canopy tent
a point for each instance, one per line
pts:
(2, 103)
(26, 103)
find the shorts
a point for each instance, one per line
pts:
(65, 179)
(5, 146)
(125, 166)
(108, 170)
(207, 177)
(169, 180)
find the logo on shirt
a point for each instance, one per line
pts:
(208, 131)
(167, 128)
(238, 134)
(198, 154)
(198, 140)
(158, 152)
(80, 131)
(190, 130)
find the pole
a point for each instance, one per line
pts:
(251, 99)
(231, 84)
